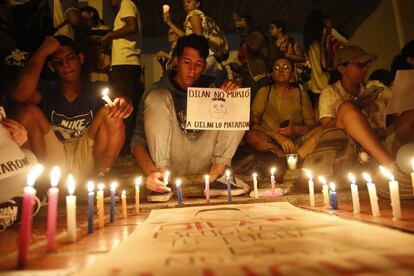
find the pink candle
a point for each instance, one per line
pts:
(207, 187)
(26, 226)
(53, 195)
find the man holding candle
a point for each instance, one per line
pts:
(64, 118)
(160, 140)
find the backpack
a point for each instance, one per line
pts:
(217, 42)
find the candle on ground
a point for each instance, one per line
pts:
(228, 186)
(112, 208)
(71, 209)
(311, 187)
(372, 192)
(332, 197)
(26, 225)
(355, 194)
(165, 8)
(179, 192)
(53, 196)
(124, 204)
(166, 177)
(91, 194)
(207, 187)
(292, 159)
(138, 182)
(256, 191)
(273, 181)
(394, 193)
(324, 191)
(100, 205)
(105, 97)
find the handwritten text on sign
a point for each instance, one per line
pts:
(212, 108)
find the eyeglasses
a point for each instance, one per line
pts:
(285, 67)
(362, 65)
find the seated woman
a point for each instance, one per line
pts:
(282, 115)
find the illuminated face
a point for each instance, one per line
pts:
(190, 68)
(190, 5)
(354, 72)
(66, 63)
(274, 31)
(218, 109)
(282, 70)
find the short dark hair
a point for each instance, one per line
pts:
(194, 41)
(280, 24)
(67, 41)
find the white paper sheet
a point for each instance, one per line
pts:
(402, 97)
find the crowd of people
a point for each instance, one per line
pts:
(55, 114)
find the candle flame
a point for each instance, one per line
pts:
(254, 175)
(228, 173)
(123, 193)
(138, 181)
(114, 185)
(387, 173)
(166, 177)
(54, 176)
(332, 186)
(34, 174)
(71, 184)
(322, 179)
(165, 8)
(273, 171)
(105, 92)
(206, 178)
(101, 186)
(367, 177)
(177, 182)
(308, 174)
(90, 185)
(351, 178)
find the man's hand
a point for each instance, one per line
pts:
(120, 109)
(362, 103)
(288, 131)
(50, 45)
(287, 145)
(166, 17)
(229, 86)
(154, 182)
(17, 131)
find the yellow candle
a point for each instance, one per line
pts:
(166, 177)
(138, 182)
(100, 205)
(124, 204)
(256, 192)
(324, 192)
(71, 209)
(311, 187)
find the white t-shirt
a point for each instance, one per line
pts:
(127, 50)
(331, 98)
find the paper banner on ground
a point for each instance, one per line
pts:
(402, 97)
(212, 108)
(257, 239)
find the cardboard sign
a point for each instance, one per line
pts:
(257, 239)
(212, 108)
(402, 97)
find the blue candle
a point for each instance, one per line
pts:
(228, 186)
(333, 200)
(91, 194)
(112, 209)
(179, 192)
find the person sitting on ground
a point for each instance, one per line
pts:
(340, 105)
(65, 119)
(282, 115)
(161, 141)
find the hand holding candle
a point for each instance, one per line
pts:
(124, 204)
(138, 182)
(53, 195)
(207, 187)
(355, 194)
(106, 98)
(256, 192)
(372, 191)
(394, 193)
(71, 209)
(273, 181)
(91, 194)
(311, 187)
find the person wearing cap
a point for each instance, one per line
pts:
(341, 106)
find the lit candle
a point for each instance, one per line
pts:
(112, 208)
(412, 174)
(166, 177)
(100, 205)
(165, 8)
(292, 159)
(324, 191)
(26, 226)
(332, 197)
(53, 195)
(207, 187)
(355, 194)
(394, 193)
(106, 98)
(179, 192)
(273, 181)
(138, 182)
(311, 187)
(124, 204)
(71, 209)
(256, 192)
(372, 191)
(91, 195)
(228, 186)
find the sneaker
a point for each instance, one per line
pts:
(8, 214)
(158, 197)
(219, 186)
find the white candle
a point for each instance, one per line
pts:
(105, 97)
(355, 194)
(256, 192)
(325, 191)
(124, 204)
(394, 193)
(311, 187)
(165, 8)
(273, 181)
(138, 182)
(53, 196)
(207, 187)
(372, 191)
(166, 177)
(412, 174)
(100, 205)
(71, 209)
(291, 160)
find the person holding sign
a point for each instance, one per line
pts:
(161, 141)
(71, 128)
(282, 115)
